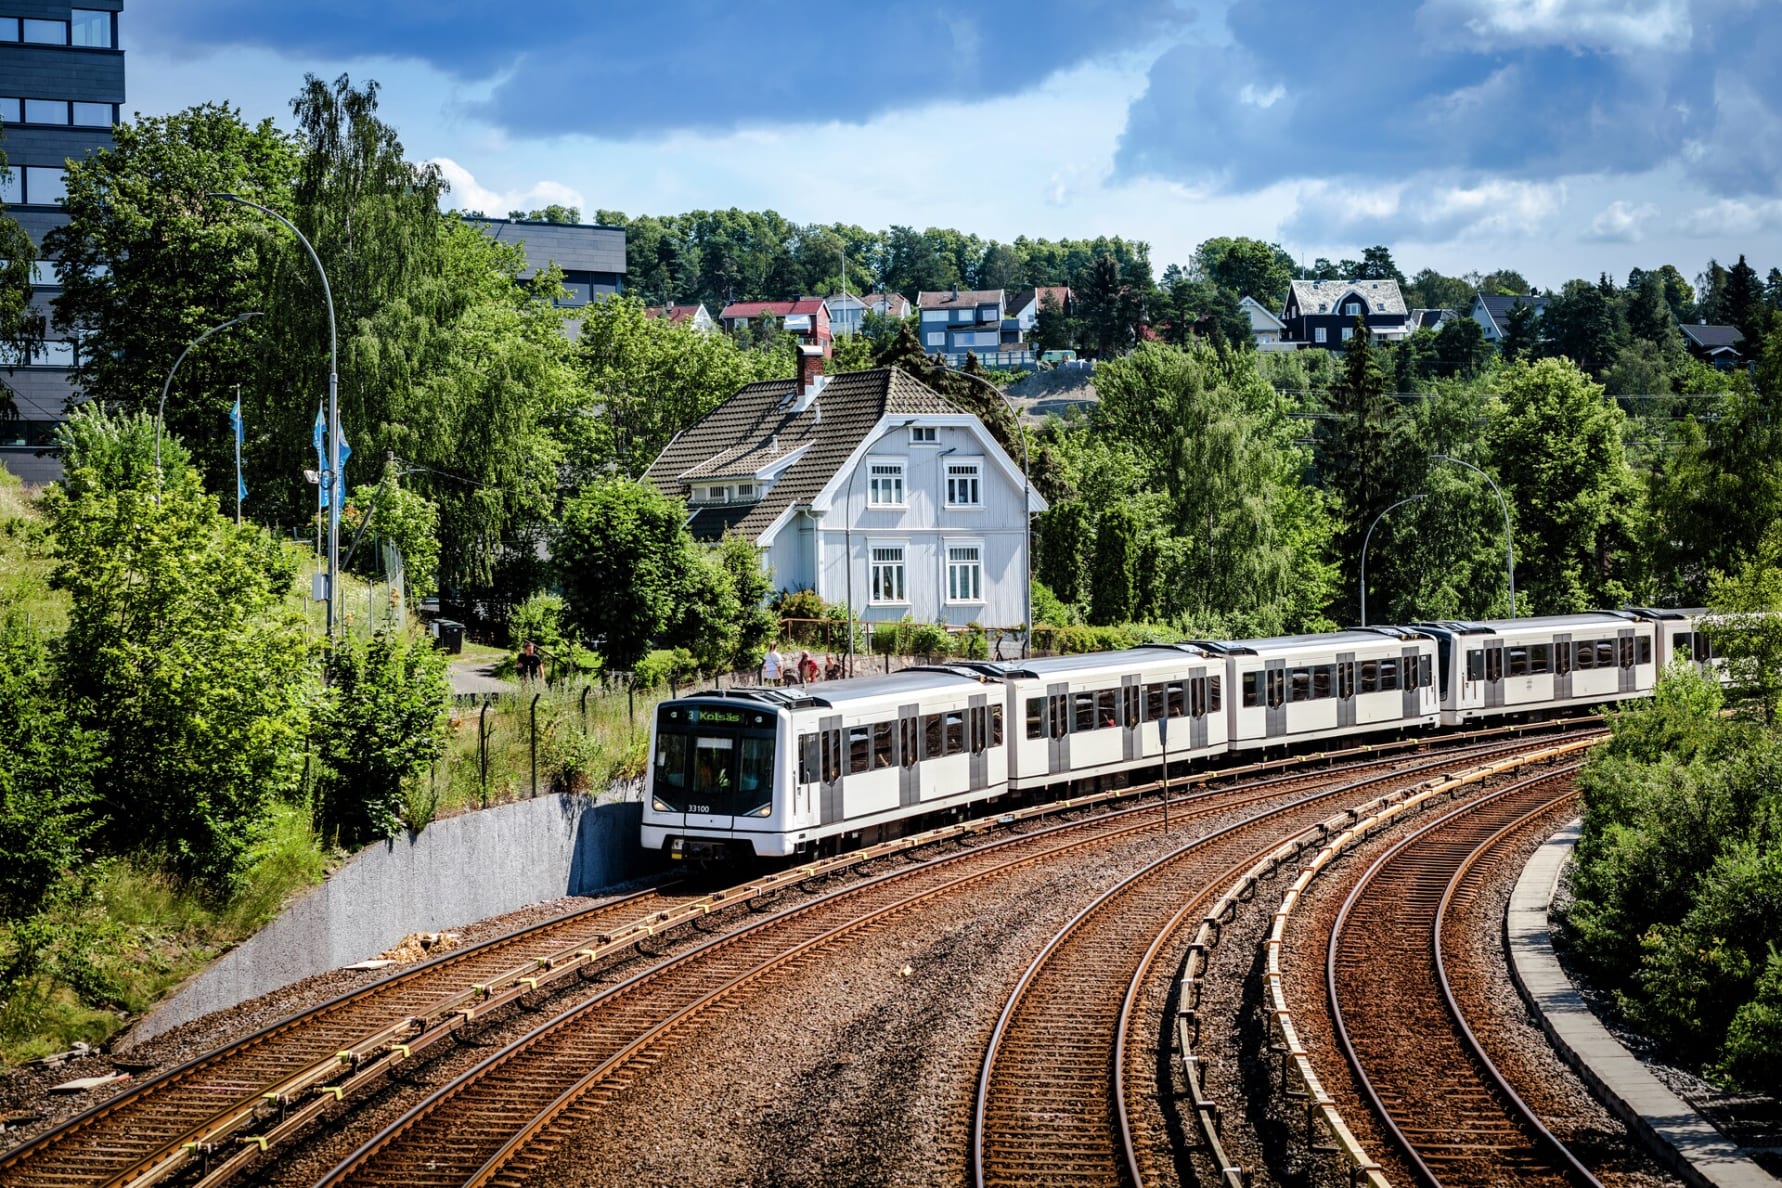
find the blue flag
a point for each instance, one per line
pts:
(346, 451)
(235, 423)
(321, 456)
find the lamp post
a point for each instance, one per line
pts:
(1026, 502)
(1509, 543)
(333, 476)
(1364, 543)
(161, 409)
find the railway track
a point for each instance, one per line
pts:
(228, 1109)
(500, 1122)
(1455, 1117)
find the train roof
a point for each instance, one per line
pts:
(1537, 623)
(1084, 662)
(835, 693)
(1353, 637)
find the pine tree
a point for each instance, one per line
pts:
(1111, 591)
(1743, 305)
(1521, 333)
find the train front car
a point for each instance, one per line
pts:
(717, 786)
(1292, 689)
(1502, 668)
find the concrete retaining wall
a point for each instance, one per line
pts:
(455, 872)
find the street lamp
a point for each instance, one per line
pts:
(1509, 544)
(1364, 543)
(333, 476)
(161, 409)
(1026, 502)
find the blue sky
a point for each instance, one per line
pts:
(1558, 137)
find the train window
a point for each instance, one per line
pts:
(859, 749)
(1562, 657)
(1060, 715)
(1082, 715)
(1388, 675)
(807, 758)
(1425, 675)
(956, 732)
(1370, 676)
(1131, 696)
(996, 725)
(1036, 717)
(1299, 684)
(907, 731)
(882, 741)
(1703, 648)
(1107, 708)
(1494, 664)
(1346, 679)
(1585, 655)
(1605, 653)
(1277, 687)
(754, 775)
(1153, 702)
(1540, 658)
(1627, 651)
(1321, 682)
(832, 756)
(1645, 650)
(975, 721)
(932, 737)
(671, 761)
(1475, 665)
(1215, 695)
(1197, 697)
(1518, 661)
(1252, 690)
(1176, 698)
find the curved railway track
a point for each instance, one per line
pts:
(124, 1138)
(1451, 1112)
(499, 1122)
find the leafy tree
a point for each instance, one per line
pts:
(1772, 289)
(181, 653)
(1649, 315)
(752, 582)
(1460, 348)
(1191, 308)
(405, 519)
(555, 212)
(380, 725)
(1746, 627)
(1246, 267)
(1580, 326)
(1429, 289)
(1054, 328)
(1110, 307)
(626, 564)
(1377, 264)
(1505, 282)
(1556, 442)
(1111, 591)
(1063, 542)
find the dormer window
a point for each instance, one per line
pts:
(745, 492)
(1352, 309)
(1323, 307)
(924, 435)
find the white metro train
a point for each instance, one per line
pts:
(774, 772)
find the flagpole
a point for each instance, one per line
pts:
(238, 483)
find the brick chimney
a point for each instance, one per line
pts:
(810, 377)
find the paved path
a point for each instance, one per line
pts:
(474, 678)
(1701, 1154)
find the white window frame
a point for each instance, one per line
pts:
(893, 474)
(745, 492)
(964, 575)
(1318, 335)
(1351, 308)
(969, 472)
(891, 569)
(924, 435)
(935, 338)
(1347, 331)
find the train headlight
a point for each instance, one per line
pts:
(763, 811)
(659, 805)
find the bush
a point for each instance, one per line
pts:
(664, 667)
(539, 619)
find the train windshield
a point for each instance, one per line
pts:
(713, 761)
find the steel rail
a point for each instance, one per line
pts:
(1517, 1114)
(1145, 817)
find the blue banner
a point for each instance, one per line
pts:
(235, 423)
(321, 457)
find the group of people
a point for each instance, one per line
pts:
(777, 670)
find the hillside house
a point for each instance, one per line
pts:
(1323, 313)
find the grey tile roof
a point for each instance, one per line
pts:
(1312, 293)
(1712, 337)
(960, 299)
(1498, 305)
(756, 425)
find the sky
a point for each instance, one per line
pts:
(1560, 138)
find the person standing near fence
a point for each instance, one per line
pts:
(772, 666)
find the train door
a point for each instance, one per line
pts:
(1058, 728)
(1562, 667)
(1274, 689)
(832, 747)
(1131, 697)
(1198, 709)
(1408, 667)
(909, 740)
(1494, 672)
(977, 739)
(1624, 660)
(1345, 688)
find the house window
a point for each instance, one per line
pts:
(1379, 307)
(924, 435)
(92, 28)
(46, 111)
(962, 485)
(886, 486)
(745, 491)
(43, 186)
(1351, 309)
(887, 574)
(965, 573)
(12, 188)
(1319, 335)
(93, 115)
(9, 110)
(1347, 331)
(936, 338)
(46, 32)
(9, 28)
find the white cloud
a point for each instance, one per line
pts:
(1256, 97)
(1614, 26)
(468, 194)
(1729, 217)
(1621, 222)
(1424, 210)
